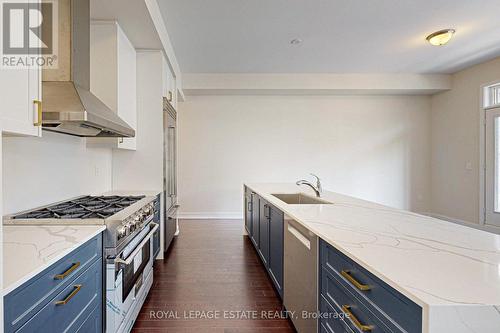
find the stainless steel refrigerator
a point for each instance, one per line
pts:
(170, 204)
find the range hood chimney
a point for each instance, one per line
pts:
(68, 105)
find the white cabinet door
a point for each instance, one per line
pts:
(20, 98)
(19, 89)
(113, 78)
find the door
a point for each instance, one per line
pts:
(255, 220)
(276, 248)
(264, 231)
(492, 167)
(20, 92)
(248, 211)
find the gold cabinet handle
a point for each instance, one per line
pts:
(347, 310)
(347, 274)
(70, 296)
(68, 272)
(39, 112)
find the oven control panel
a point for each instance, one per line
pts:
(136, 221)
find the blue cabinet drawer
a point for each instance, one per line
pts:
(331, 320)
(93, 323)
(24, 302)
(357, 314)
(371, 291)
(72, 306)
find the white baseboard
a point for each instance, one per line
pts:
(210, 215)
(493, 229)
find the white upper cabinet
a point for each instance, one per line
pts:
(169, 83)
(20, 96)
(113, 77)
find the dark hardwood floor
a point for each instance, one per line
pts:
(211, 268)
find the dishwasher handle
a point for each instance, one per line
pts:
(299, 236)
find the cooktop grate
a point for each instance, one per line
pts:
(88, 207)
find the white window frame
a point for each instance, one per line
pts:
(490, 98)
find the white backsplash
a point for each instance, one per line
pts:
(39, 171)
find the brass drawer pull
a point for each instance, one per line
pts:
(347, 274)
(347, 310)
(70, 296)
(39, 112)
(68, 272)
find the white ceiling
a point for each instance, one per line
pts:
(339, 36)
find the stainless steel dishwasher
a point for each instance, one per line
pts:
(301, 275)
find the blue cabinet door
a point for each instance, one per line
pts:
(72, 306)
(276, 248)
(255, 220)
(23, 304)
(248, 211)
(265, 215)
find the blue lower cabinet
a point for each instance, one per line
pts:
(254, 235)
(264, 223)
(93, 323)
(372, 305)
(265, 212)
(72, 306)
(66, 297)
(276, 222)
(333, 322)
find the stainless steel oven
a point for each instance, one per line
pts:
(129, 277)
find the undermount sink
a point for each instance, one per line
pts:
(300, 199)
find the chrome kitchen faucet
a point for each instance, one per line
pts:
(317, 189)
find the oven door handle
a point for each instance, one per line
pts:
(130, 258)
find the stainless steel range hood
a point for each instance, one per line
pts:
(68, 105)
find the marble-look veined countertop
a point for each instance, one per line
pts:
(28, 250)
(451, 271)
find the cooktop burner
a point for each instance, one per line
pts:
(88, 207)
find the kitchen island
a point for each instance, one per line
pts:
(450, 271)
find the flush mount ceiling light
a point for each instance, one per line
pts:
(440, 37)
(296, 41)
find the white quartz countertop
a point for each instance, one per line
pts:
(433, 262)
(28, 250)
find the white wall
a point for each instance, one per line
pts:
(455, 141)
(375, 148)
(39, 171)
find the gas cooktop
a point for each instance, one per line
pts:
(88, 207)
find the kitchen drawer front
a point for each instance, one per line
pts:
(338, 297)
(24, 302)
(395, 307)
(331, 321)
(82, 296)
(93, 323)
